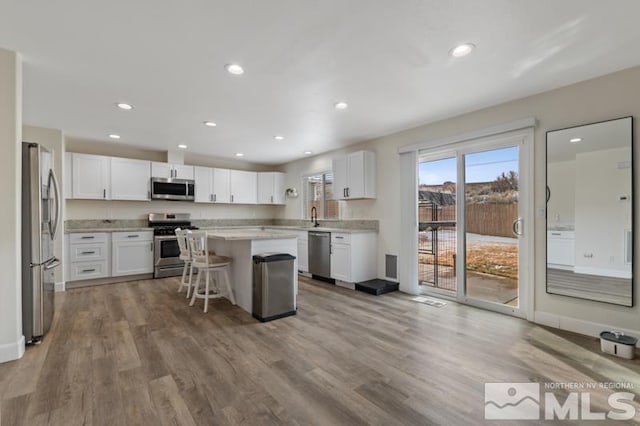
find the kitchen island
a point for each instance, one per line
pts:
(241, 245)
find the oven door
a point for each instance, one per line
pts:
(167, 251)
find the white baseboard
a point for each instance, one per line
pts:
(12, 351)
(344, 284)
(587, 328)
(59, 286)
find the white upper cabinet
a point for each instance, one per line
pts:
(130, 179)
(271, 188)
(354, 175)
(180, 171)
(171, 171)
(212, 185)
(91, 176)
(220, 186)
(243, 187)
(68, 175)
(204, 180)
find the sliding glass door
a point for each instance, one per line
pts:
(471, 227)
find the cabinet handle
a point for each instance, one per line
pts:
(104, 193)
(88, 237)
(344, 192)
(272, 199)
(89, 270)
(151, 246)
(214, 197)
(232, 198)
(88, 252)
(339, 238)
(555, 233)
(133, 236)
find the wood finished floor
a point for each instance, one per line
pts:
(135, 353)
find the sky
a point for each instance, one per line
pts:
(479, 167)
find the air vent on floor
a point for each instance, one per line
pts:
(391, 266)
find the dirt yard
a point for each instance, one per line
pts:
(500, 259)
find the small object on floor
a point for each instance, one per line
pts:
(429, 301)
(377, 287)
(618, 344)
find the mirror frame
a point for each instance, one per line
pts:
(633, 213)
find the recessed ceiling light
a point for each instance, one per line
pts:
(234, 69)
(308, 152)
(209, 123)
(239, 154)
(462, 50)
(124, 106)
(575, 140)
(278, 137)
(341, 105)
(114, 136)
(182, 146)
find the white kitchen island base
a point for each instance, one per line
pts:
(241, 246)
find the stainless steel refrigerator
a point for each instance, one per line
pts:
(40, 225)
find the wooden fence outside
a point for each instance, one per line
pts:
(491, 219)
(484, 219)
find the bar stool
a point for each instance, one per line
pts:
(208, 263)
(185, 256)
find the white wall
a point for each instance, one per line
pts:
(601, 218)
(561, 176)
(11, 338)
(98, 209)
(599, 99)
(54, 140)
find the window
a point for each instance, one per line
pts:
(318, 193)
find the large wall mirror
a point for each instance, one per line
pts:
(590, 211)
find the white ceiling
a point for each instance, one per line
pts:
(594, 137)
(388, 59)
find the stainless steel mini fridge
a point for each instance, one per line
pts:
(40, 225)
(273, 286)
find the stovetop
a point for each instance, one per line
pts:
(170, 230)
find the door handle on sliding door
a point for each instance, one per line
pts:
(517, 227)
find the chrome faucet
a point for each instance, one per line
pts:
(314, 217)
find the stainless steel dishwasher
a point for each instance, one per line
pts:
(320, 255)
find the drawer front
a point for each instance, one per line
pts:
(99, 237)
(340, 237)
(86, 252)
(132, 236)
(561, 235)
(88, 270)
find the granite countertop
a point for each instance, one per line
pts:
(222, 229)
(322, 229)
(248, 234)
(92, 230)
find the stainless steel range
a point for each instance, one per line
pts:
(166, 251)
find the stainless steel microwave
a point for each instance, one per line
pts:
(173, 189)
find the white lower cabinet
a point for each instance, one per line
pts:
(303, 253)
(341, 262)
(353, 256)
(108, 254)
(131, 253)
(88, 256)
